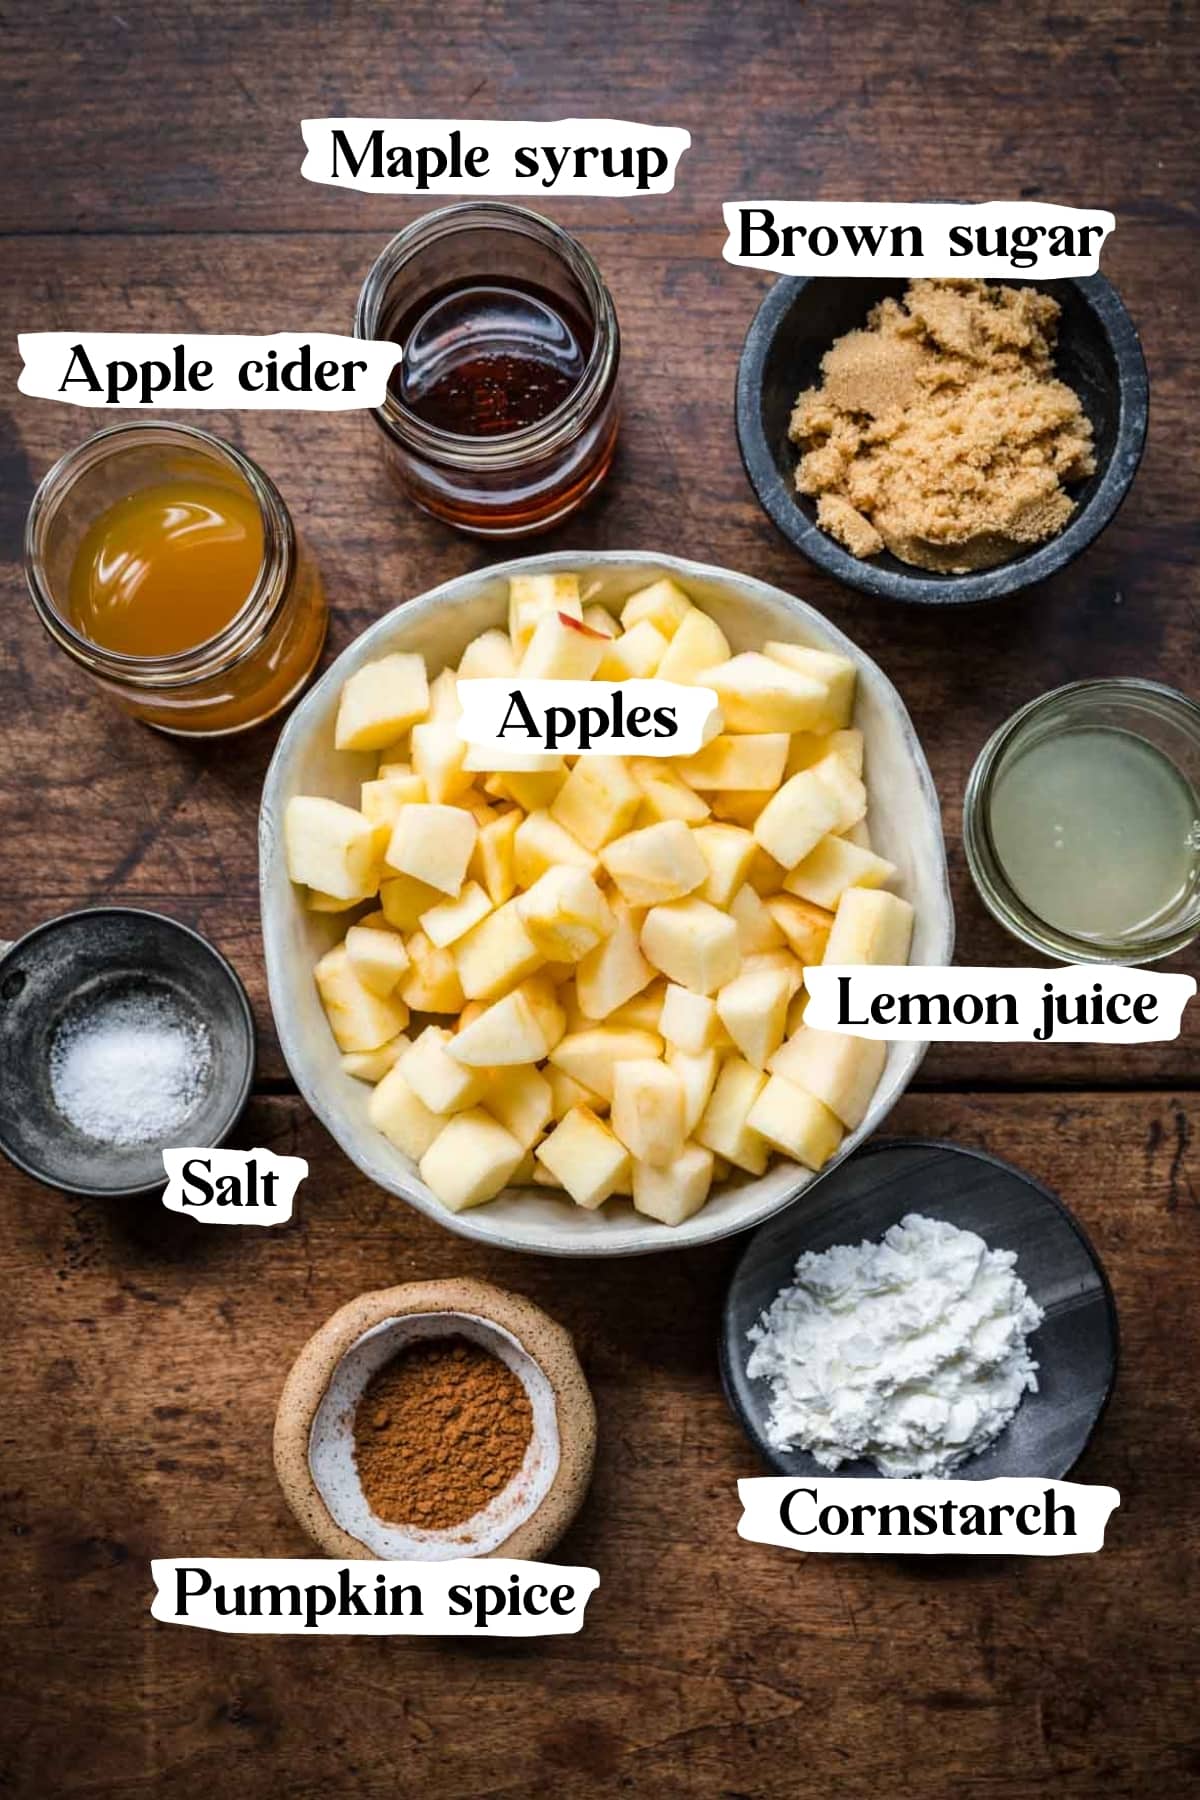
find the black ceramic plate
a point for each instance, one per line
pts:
(1075, 1346)
(1098, 354)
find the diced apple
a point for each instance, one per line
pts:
(562, 649)
(373, 1065)
(532, 789)
(780, 962)
(758, 694)
(664, 794)
(749, 762)
(765, 875)
(444, 704)
(643, 1012)
(664, 603)
(675, 1194)
(488, 657)
(404, 1120)
(381, 700)
(846, 788)
(496, 954)
(449, 920)
(438, 755)
(601, 620)
(317, 902)
(405, 900)
(836, 674)
(728, 851)
(806, 927)
(433, 844)
(753, 1009)
(795, 819)
(860, 836)
(870, 926)
(841, 1071)
(471, 1160)
(739, 806)
(688, 1021)
(756, 928)
(358, 1018)
(590, 1057)
(697, 1076)
(566, 1092)
(504, 759)
(795, 1122)
(492, 860)
(692, 944)
(584, 1157)
(432, 984)
(521, 1027)
(809, 747)
(378, 957)
(441, 1081)
(598, 801)
(541, 843)
(332, 848)
(648, 1110)
(520, 1099)
(381, 800)
(529, 596)
(656, 863)
(724, 1127)
(566, 914)
(610, 975)
(634, 656)
(796, 1012)
(832, 867)
(698, 643)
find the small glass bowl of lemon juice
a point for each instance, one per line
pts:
(1081, 822)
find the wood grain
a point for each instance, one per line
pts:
(151, 154)
(146, 1355)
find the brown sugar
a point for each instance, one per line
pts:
(439, 1431)
(940, 431)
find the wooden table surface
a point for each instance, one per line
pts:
(152, 159)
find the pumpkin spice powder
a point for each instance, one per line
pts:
(439, 1431)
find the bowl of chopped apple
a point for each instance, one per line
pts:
(557, 1002)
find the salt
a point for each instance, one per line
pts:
(129, 1068)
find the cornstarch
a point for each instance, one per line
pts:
(911, 1353)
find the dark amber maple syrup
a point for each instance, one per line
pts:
(486, 358)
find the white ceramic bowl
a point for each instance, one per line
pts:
(905, 825)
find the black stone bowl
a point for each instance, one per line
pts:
(1098, 355)
(54, 972)
(1075, 1346)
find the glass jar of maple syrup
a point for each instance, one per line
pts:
(501, 415)
(165, 563)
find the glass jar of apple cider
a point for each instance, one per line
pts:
(166, 564)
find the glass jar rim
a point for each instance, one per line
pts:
(545, 435)
(236, 640)
(987, 869)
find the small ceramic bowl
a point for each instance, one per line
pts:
(314, 1426)
(905, 826)
(1075, 1346)
(56, 973)
(1098, 355)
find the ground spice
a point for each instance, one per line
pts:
(439, 1431)
(940, 431)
